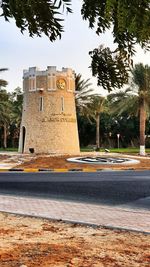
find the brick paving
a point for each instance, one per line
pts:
(117, 217)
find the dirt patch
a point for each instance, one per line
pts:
(3, 157)
(60, 162)
(30, 242)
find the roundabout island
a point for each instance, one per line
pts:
(103, 160)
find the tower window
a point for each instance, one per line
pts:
(32, 83)
(41, 103)
(62, 104)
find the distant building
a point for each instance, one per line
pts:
(49, 123)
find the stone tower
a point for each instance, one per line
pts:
(49, 123)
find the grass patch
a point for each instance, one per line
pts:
(134, 150)
(12, 149)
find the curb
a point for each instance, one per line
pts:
(80, 223)
(63, 170)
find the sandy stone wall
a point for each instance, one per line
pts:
(49, 123)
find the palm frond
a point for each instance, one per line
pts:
(3, 83)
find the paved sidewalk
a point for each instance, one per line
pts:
(117, 217)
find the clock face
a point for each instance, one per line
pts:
(61, 83)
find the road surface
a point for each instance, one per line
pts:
(131, 188)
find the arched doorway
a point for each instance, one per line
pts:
(23, 137)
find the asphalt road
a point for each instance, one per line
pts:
(131, 188)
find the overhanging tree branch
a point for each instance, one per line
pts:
(111, 68)
(128, 20)
(37, 17)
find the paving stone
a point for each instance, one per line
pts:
(118, 217)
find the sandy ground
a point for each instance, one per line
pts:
(60, 162)
(32, 242)
(4, 157)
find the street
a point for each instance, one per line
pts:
(131, 188)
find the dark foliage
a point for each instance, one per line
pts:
(37, 17)
(128, 20)
(111, 69)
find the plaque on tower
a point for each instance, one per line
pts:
(61, 83)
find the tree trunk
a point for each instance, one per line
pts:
(5, 136)
(97, 131)
(142, 127)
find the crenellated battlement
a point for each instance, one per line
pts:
(35, 71)
(50, 79)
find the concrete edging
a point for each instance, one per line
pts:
(80, 223)
(62, 170)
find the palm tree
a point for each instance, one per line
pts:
(123, 101)
(83, 92)
(5, 114)
(94, 108)
(3, 83)
(135, 100)
(16, 99)
(141, 77)
(89, 104)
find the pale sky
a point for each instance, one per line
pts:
(18, 52)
